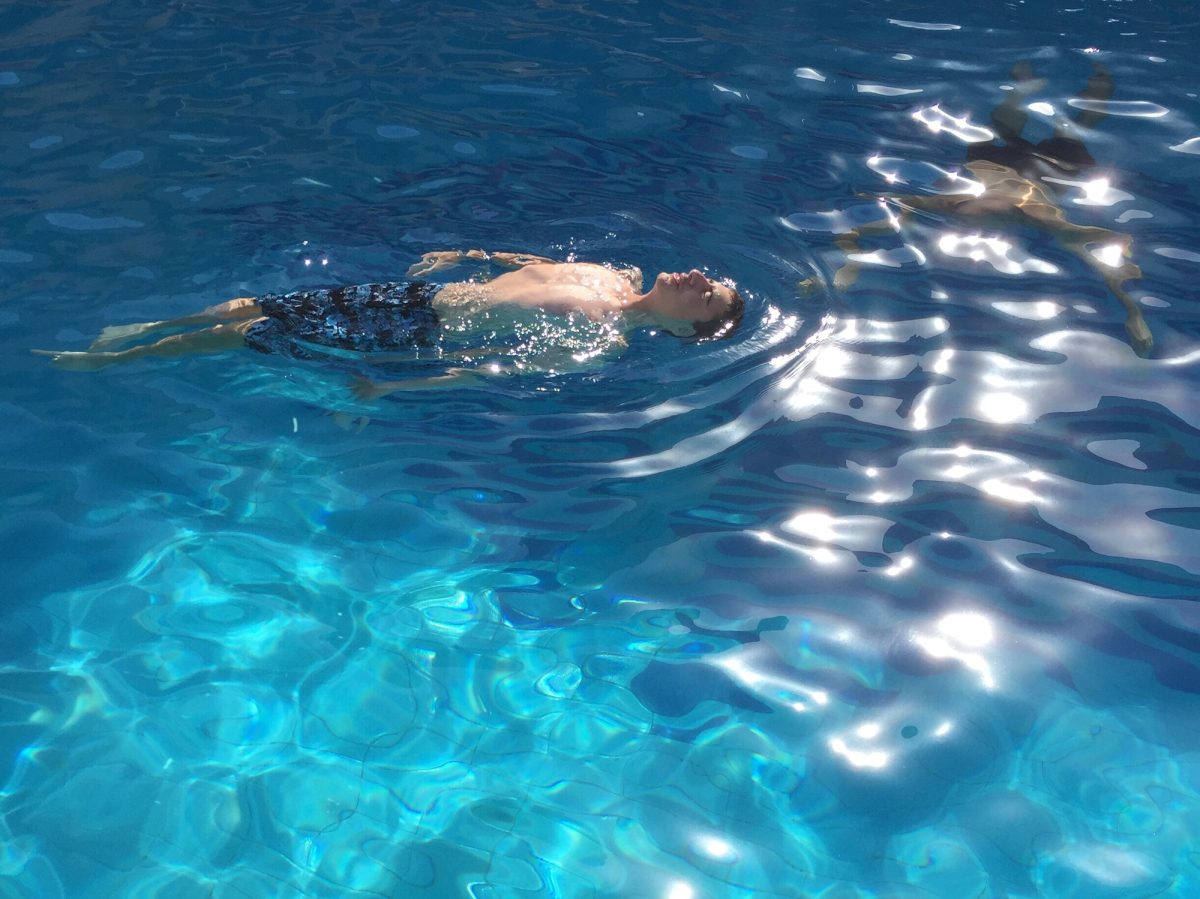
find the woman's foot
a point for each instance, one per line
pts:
(75, 360)
(1009, 117)
(118, 335)
(1025, 82)
(1099, 88)
(1140, 337)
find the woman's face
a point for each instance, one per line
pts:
(690, 296)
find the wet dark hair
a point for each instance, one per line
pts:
(722, 328)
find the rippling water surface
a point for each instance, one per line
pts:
(892, 595)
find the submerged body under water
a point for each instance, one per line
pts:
(891, 594)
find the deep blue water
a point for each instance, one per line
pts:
(894, 594)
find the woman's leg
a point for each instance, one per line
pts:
(888, 223)
(232, 310)
(1066, 147)
(1108, 254)
(217, 339)
(1098, 89)
(1009, 117)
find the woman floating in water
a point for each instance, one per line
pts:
(382, 318)
(1013, 181)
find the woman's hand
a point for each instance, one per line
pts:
(441, 260)
(366, 390)
(434, 262)
(520, 260)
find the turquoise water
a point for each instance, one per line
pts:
(892, 595)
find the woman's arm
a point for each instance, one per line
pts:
(520, 260)
(440, 260)
(366, 389)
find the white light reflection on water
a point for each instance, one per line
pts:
(848, 531)
(1110, 256)
(894, 258)
(1176, 253)
(926, 26)
(743, 668)
(874, 759)
(895, 170)
(998, 252)
(1114, 866)
(884, 90)
(680, 889)
(961, 637)
(1083, 509)
(787, 372)
(1096, 192)
(899, 567)
(1138, 109)
(715, 847)
(830, 540)
(1085, 367)
(1119, 451)
(1003, 408)
(938, 120)
(1035, 310)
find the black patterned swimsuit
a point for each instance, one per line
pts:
(367, 318)
(1055, 156)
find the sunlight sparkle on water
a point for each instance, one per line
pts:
(680, 889)
(1003, 408)
(962, 636)
(1110, 255)
(968, 628)
(823, 556)
(1038, 310)
(795, 694)
(1097, 192)
(832, 362)
(817, 525)
(716, 848)
(1094, 191)
(868, 731)
(937, 120)
(1006, 490)
(874, 759)
(941, 361)
(1108, 864)
(1000, 254)
(808, 74)
(820, 555)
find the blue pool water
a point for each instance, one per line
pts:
(892, 595)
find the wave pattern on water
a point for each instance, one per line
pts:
(893, 594)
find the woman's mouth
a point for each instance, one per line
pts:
(688, 279)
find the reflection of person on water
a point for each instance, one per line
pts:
(1014, 180)
(571, 312)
